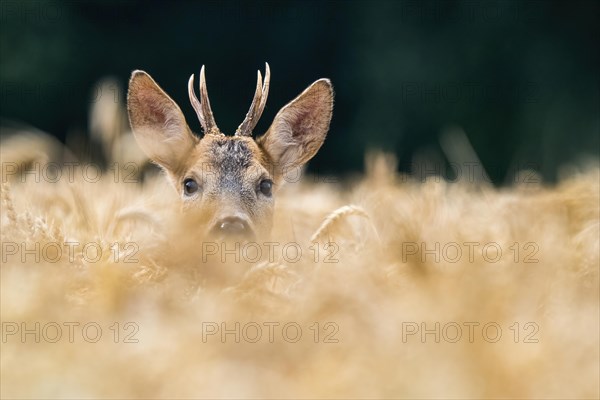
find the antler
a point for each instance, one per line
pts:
(258, 104)
(202, 108)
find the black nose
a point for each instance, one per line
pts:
(232, 226)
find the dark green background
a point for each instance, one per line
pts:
(521, 78)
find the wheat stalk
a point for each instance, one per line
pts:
(335, 218)
(7, 202)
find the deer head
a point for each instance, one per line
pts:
(231, 179)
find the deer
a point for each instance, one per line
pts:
(232, 179)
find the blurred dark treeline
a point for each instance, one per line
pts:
(520, 78)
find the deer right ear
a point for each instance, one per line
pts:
(158, 123)
(299, 128)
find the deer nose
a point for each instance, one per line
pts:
(232, 226)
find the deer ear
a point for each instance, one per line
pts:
(299, 128)
(158, 123)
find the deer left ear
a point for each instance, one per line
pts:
(299, 128)
(158, 123)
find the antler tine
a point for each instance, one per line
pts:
(210, 125)
(245, 128)
(265, 93)
(257, 106)
(195, 102)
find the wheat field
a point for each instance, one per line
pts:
(389, 287)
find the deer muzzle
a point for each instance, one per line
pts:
(232, 227)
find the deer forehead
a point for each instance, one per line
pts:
(229, 158)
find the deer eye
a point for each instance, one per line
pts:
(265, 187)
(190, 186)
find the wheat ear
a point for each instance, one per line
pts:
(335, 217)
(7, 201)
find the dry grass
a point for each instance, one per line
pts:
(375, 292)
